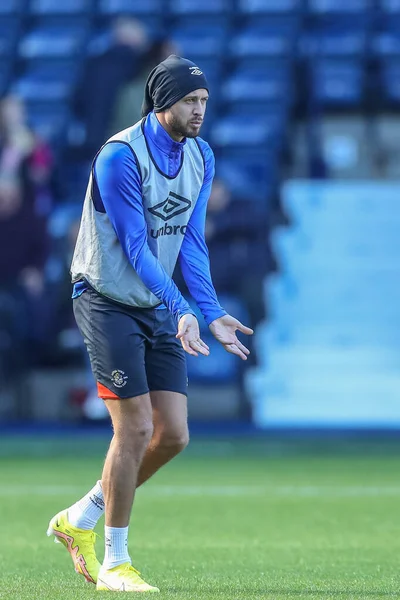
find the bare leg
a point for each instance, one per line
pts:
(133, 429)
(170, 435)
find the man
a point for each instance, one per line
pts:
(104, 77)
(145, 208)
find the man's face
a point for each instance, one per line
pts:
(186, 116)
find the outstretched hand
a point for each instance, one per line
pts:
(189, 334)
(224, 330)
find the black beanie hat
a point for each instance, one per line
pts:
(169, 82)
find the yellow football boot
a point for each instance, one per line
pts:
(79, 543)
(123, 578)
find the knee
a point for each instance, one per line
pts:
(135, 433)
(173, 442)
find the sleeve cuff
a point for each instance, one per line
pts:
(213, 314)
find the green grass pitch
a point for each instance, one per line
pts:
(219, 522)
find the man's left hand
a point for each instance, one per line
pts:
(224, 330)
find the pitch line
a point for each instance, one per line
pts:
(163, 491)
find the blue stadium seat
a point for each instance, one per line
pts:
(194, 39)
(249, 175)
(61, 218)
(271, 37)
(49, 120)
(11, 7)
(360, 7)
(389, 6)
(335, 37)
(225, 367)
(271, 83)
(386, 40)
(390, 81)
(5, 74)
(220, 367)
(338, 83)
(262, 129)
(66, 7)
(256, 7)
(9, 29)
(47, 81)
(53, 41)
(134, 7)
(203, 7)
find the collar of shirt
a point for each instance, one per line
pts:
(167, 153)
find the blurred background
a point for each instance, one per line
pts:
(303, 221)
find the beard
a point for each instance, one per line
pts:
(183, 128)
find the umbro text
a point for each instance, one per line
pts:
(168, 230)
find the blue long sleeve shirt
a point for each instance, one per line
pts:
(119, 186)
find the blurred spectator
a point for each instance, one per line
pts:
(103, 77)
(67, 344)
(23, 156)
(317, 166)
(130, 97)
(23, 254)
(238, 248)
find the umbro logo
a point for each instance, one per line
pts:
(173, 206)
(195, 71)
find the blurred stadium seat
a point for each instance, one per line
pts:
(182, 7)
(389, 6)
(53, 41)
(340, 6)
(66, 7)
(48, 81)
(9, 31)
(268, 84)
(272, 37)
(200, 39)
(218, 368)
(336, 37)
(253, 130)
(11, 7)
(225, 367)
(389, 81)
(271, 7)
(338, 83)
(388, 136)
(49, 120)
(5, 75)
(116, 7)
(249, 177)
(386, 40)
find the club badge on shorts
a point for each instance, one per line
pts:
(119, 378)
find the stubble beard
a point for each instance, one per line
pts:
(182, 130)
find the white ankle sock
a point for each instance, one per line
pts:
(116, 547)
(87, 511)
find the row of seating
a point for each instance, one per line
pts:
(244, 91)
(193, 7)
(281, 37)
(214, 7)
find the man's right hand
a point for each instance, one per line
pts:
(189, 334)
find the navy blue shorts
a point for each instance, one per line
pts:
(132, 350)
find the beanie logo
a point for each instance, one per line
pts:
(195, 71)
